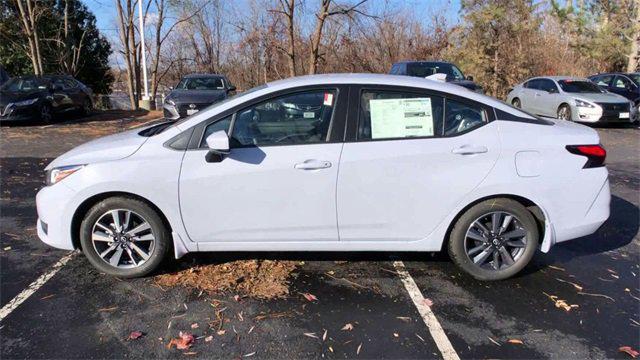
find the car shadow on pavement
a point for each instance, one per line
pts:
(617, 232)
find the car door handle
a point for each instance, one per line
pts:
(313, 165)
(469, 150)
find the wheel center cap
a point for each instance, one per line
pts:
(496, 242)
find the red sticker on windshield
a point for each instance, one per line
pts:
(328, 99)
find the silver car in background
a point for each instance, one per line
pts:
(569, 98)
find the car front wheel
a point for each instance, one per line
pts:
(564, 112)
(494, 239)
(124, 237)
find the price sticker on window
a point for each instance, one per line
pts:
(328, 99)
(399, 118)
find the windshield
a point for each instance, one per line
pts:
(203, 83)
(24, 85)
(234, 97)
(579, 86)
(425, 69)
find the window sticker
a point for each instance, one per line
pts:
(328, 99)
(398, 118)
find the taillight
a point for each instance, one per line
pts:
(595, 154)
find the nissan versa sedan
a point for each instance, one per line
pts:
(568, 98)
(365, 163)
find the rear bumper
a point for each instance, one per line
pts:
(593, 218)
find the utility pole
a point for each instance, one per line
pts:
(145, 103)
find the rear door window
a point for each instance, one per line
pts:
(398, 115)
(461, 117)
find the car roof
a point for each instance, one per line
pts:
(358, 79)
(560, 77)
(422, 62)
(191, 76)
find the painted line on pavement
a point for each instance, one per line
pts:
(429, 318)
(34, 286)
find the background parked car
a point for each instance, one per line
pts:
(195, 92)
(4, 76)
(41, 98)
(625, 84)
(428, 68)
(569, 98)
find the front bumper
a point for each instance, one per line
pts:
(19, 113)
(55, 212)
(599, 115)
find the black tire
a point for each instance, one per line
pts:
(87, 107)
(46, 116)
(516, 103)
(458, 240)
(156, 254)
(564, 112)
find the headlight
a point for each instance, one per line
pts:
(170, 102)
(26, 102)
(55, 175)
(583, 103)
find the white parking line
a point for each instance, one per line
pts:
(429, 318)
(34, 286)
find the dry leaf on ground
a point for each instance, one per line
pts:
(347, 327)
(309, 297)
(135, 335)
(629, 350)
(262, 279)
(183, 342)
(515, 341)
(427, 302)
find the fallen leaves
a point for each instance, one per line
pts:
(347, 327)
(261, 279)
(208, 338)
(576, 286)
(358, 349)
(311, 335)
(134, 335)
(629, 350)
(427, 302)
(183, 342)
(560, 303)
(309, 297)
(515, 341)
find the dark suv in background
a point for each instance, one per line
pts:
(428, 68)
(194, 93)
(40, 98)
(625, 84)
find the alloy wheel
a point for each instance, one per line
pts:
(563, 113)
(495, 241)
(45, 113)
(123, 239)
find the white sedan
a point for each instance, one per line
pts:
(332, 163)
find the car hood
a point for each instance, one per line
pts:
(14, 96)
(108, 148)
(601, 97)
(197, 96)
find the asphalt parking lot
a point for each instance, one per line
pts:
(80, 313)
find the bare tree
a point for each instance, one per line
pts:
(287, 8)
(68, 49)
(126, 31)
(29, 12)
(327, 9)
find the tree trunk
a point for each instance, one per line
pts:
(28, 22)
(632, 64)
(317, 36)
(124, 29)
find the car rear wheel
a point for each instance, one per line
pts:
(564, 112)
(516, 103)
(45, 113)
(87, 107)
(494, 239)
(124, 237)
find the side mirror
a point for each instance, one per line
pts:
(231, 88)
(469, 77)
(218, 144)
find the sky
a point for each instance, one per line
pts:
(105, 10)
